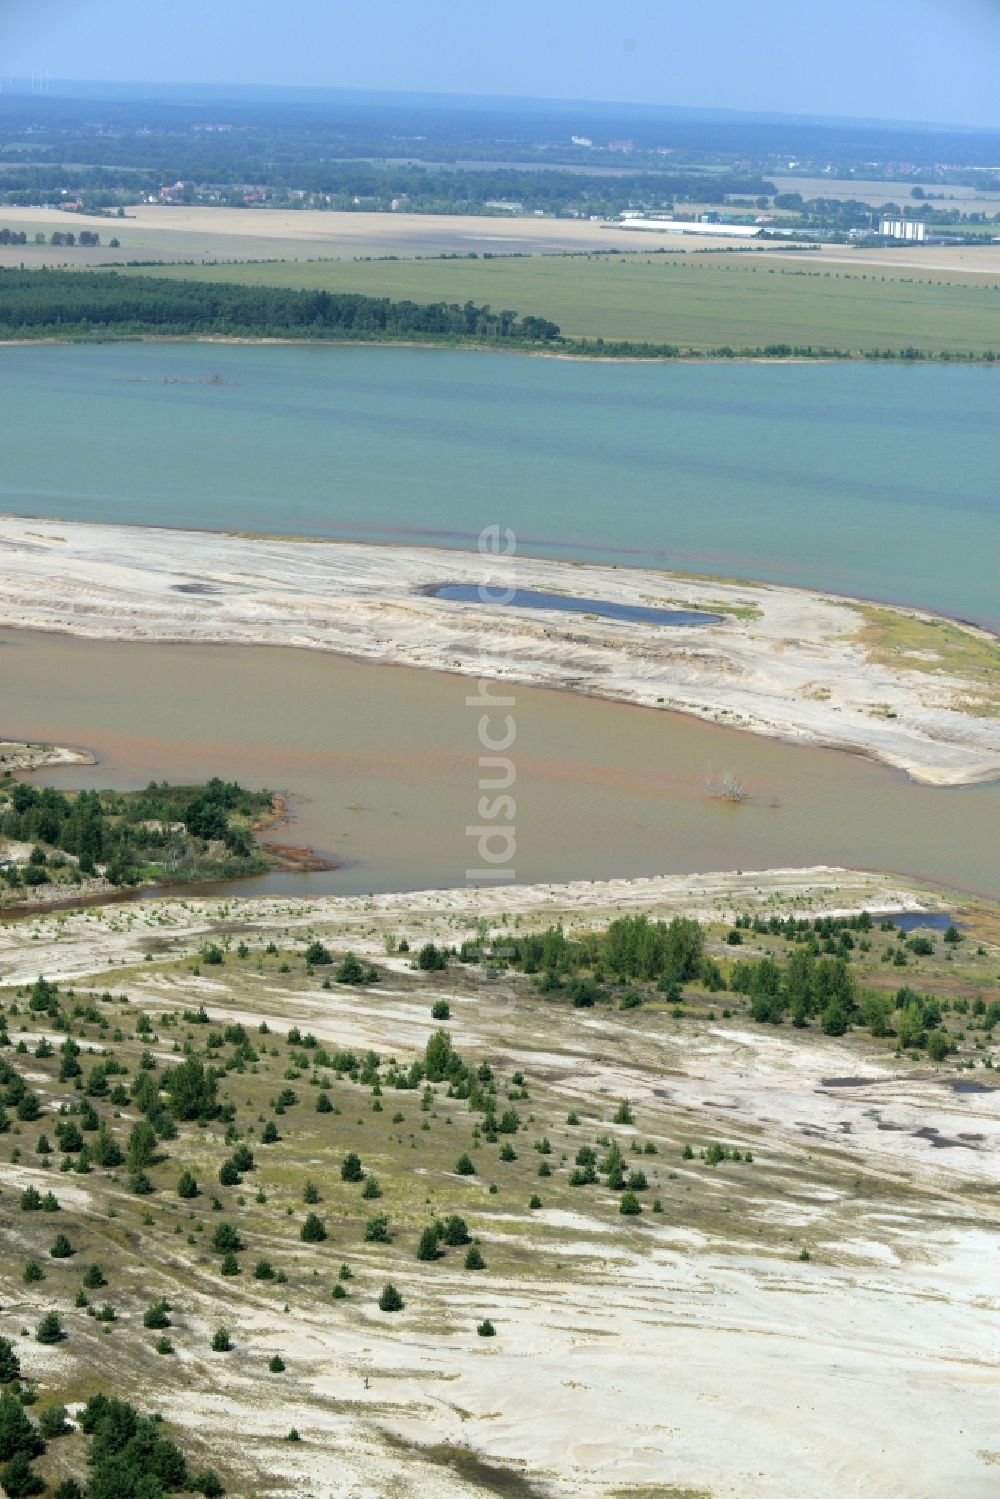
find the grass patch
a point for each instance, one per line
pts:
(938, 647)
(657, 1491)
(491, 1478)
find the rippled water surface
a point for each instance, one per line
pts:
(877, 481)
(384, 766)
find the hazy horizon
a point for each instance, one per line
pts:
(899, 61)
(183, 90)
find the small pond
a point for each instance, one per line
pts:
(530, 598)
(919, 921)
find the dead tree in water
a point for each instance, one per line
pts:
(728, 789)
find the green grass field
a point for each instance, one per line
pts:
(698, 302)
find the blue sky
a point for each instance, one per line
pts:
(899, 59)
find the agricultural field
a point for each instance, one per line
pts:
(472, 1211)
(155, 232)
(875, 193)
(696, 301)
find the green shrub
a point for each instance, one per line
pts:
(52, 1422)
(16, 1432)
(50, 1329)
(18, 1477)
(427, 1248)
(313, 1230)
(351, 1169)
(10, 1364)
(225, 1239)
(350, 971)
(157, 1316)
(455, 1231)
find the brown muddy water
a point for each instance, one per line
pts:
(382, 767)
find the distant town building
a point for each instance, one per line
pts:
(581, 140)
(621, 145)
(911, 229)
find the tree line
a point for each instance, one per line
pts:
(59, 237)
(46, 303)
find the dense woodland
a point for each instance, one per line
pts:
(47, 303)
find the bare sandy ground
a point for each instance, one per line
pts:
(67, 944)
(660, 1361)
(785, 662)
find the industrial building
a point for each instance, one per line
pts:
(910, 229)
(686, 226)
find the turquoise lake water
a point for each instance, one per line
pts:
(879, 481)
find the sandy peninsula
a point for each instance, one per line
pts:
(17, 756)
(801, 666)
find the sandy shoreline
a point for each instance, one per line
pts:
(524, 351)
(66, 944)
(15, 755)
(783, 662)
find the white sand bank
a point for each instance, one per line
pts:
(783, 662)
